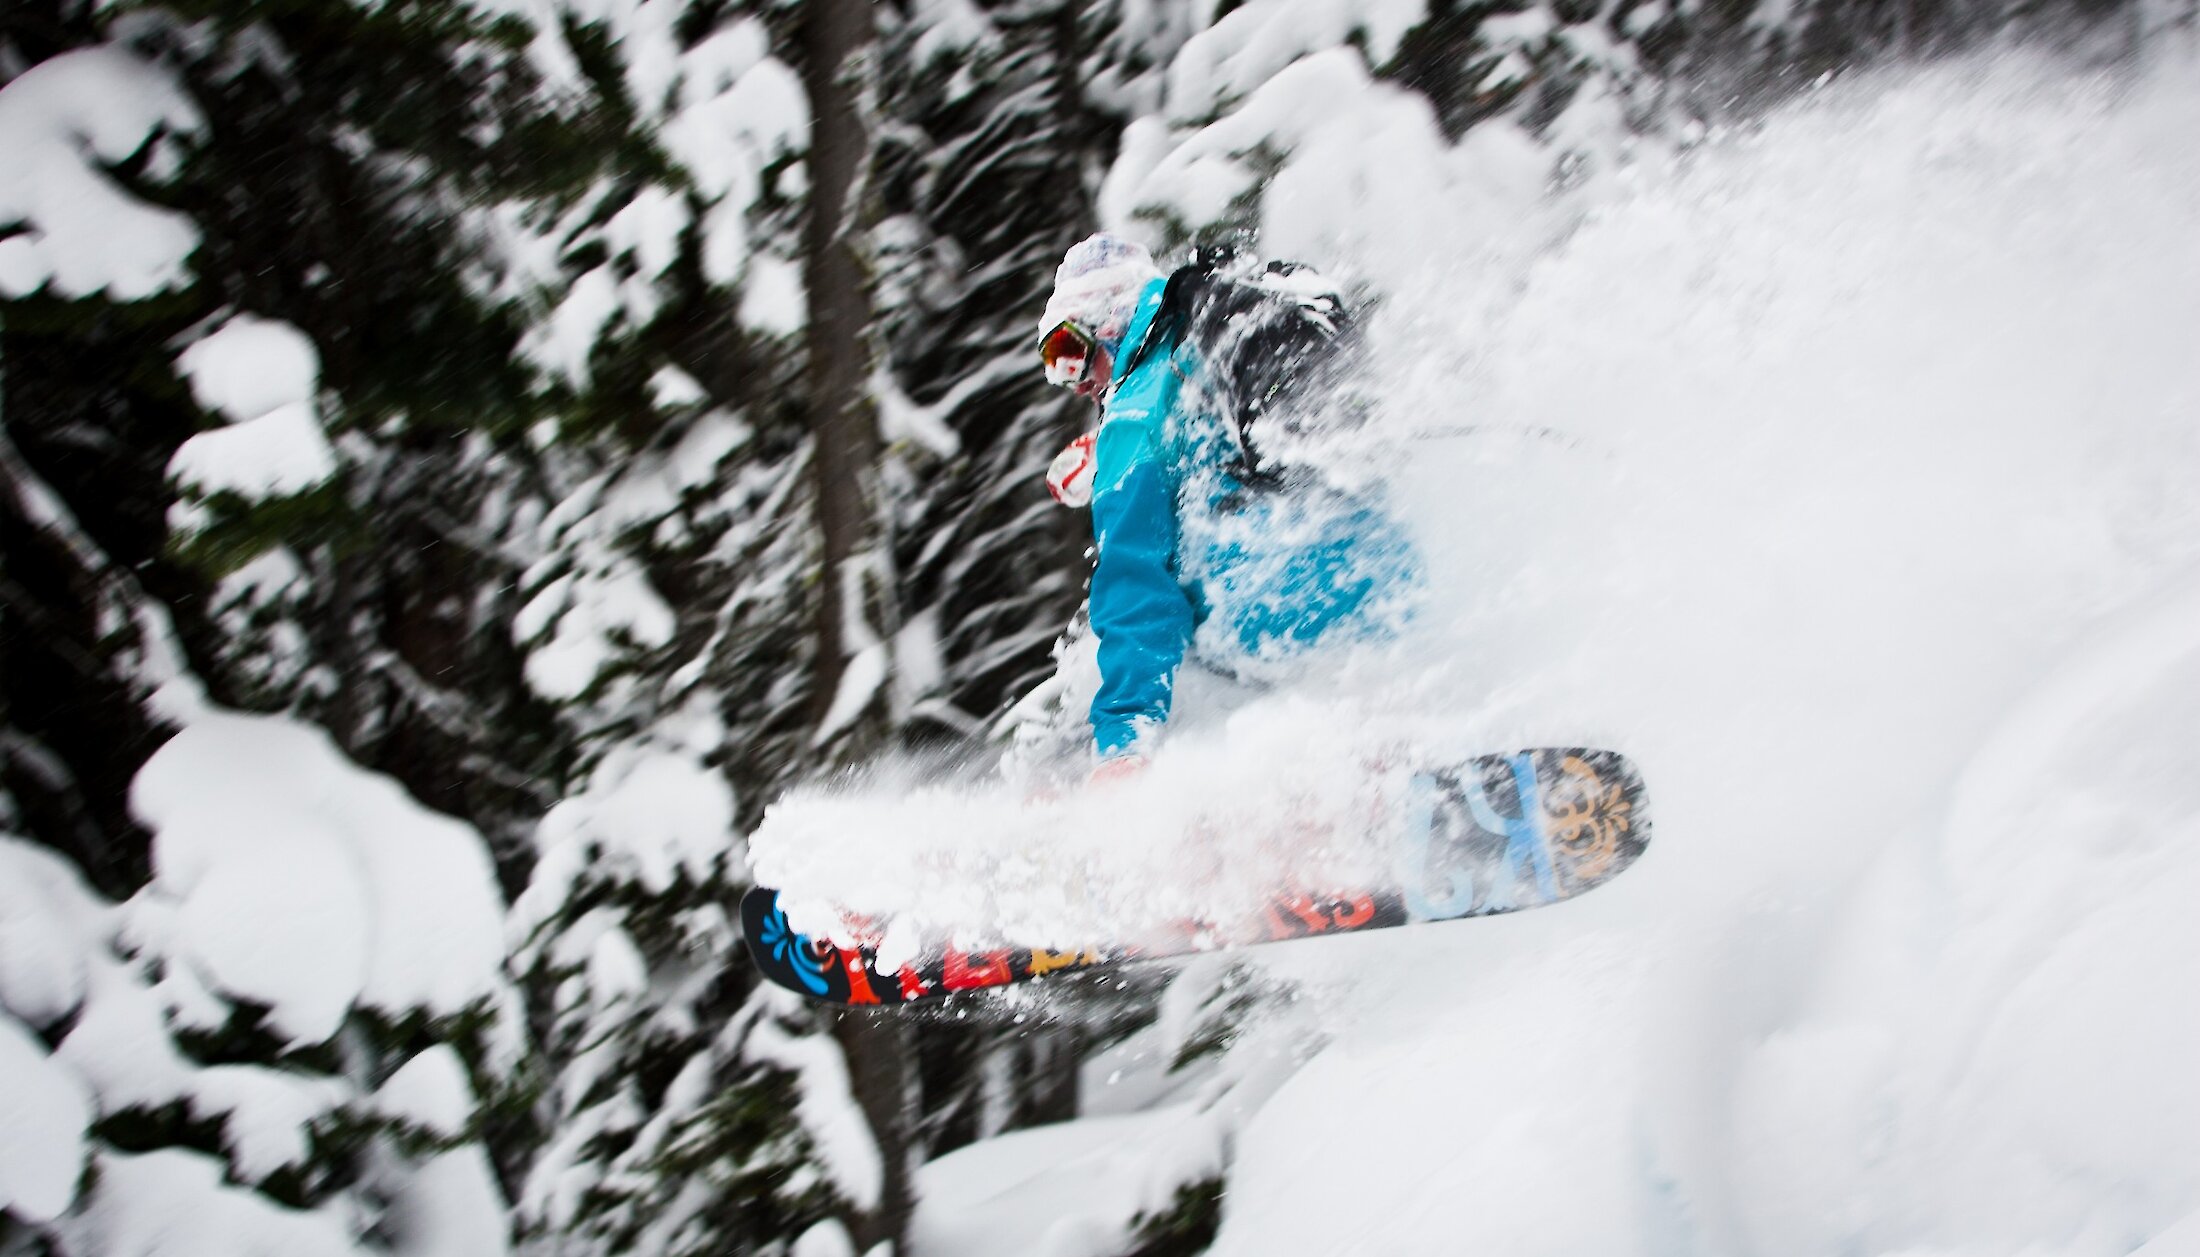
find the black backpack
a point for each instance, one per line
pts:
(1277, 341)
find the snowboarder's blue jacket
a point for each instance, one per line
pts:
(1190, 560)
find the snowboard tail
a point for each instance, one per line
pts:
(1496, 834)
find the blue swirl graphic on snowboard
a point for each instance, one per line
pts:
(792, 951)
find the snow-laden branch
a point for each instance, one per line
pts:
(59, 121)
(903, 418)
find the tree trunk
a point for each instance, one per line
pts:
(879, 1051)
(836, 35)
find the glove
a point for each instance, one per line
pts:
(1069, 476)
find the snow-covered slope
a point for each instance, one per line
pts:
(1842, 471)
(1873, 537)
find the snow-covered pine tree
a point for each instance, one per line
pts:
(236, 1037)
(250, 1013)
(364, 497)
(680, 615)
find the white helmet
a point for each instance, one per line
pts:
(1097, 286)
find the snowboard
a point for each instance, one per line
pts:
(1496, 834)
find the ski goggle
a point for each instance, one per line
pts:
(1067, 352)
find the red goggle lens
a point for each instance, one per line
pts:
(1067, 344)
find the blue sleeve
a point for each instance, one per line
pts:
(1140, 612)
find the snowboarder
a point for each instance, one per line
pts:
(1199, 555)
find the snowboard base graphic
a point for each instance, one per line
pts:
(1496, 834)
